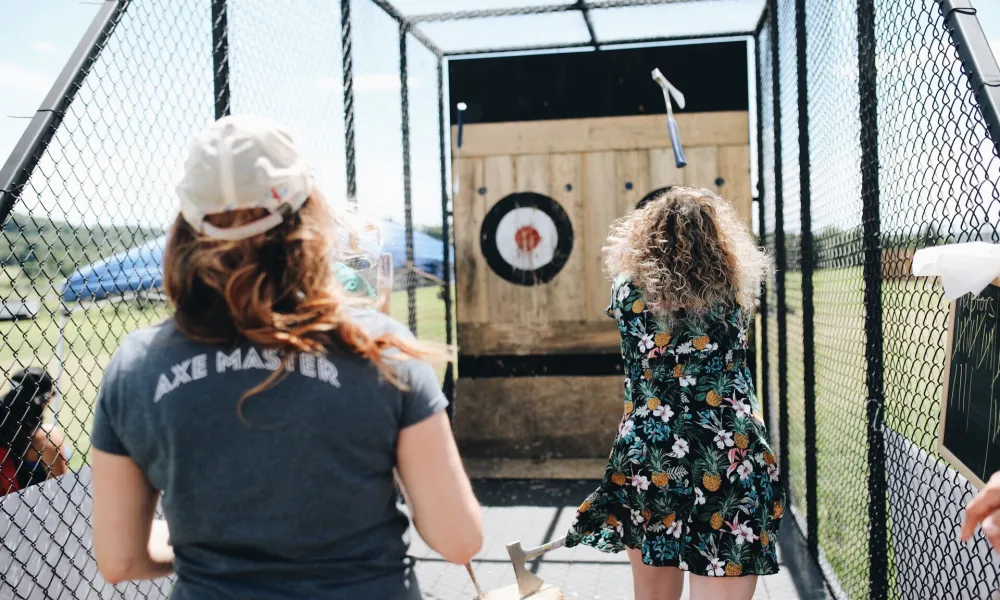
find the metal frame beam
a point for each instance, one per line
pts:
(409, 25)
(581, 5)
(17, 170)
(606, 44)
(974, 49)
(465, 15)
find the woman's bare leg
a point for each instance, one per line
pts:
(655, 583)
(730, 588)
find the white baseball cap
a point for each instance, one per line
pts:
(242, 162)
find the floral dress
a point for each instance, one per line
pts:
(691, 480)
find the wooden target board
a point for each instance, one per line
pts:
(536, 201)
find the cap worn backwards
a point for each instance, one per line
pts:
(243, 162)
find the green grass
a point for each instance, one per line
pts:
(93, 334)
(914, 328)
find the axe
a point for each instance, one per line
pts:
(669, 91)
(529, 584)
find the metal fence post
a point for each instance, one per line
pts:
(808, 259)
(446, 214)
(220, 57)
(781, 258)
(765, 378)
(871, 228)
(404, 101)
(347, 66)
(17, 170)
(974, 48)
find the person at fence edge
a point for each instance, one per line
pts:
(31, 451)
(691, 483)
(984, 511)
(270, 412)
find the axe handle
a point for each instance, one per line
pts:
(536, 552)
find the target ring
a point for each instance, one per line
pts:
(653, 196)
(527, 238)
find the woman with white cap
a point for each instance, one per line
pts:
(269, 412)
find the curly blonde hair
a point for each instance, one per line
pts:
(687, 250)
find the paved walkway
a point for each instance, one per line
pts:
(535, 512)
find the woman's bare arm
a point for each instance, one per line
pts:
(50, 446)
(124, 507)
(445, 509)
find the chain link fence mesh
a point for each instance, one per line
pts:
(838, 291)
(885, 528)
(104, 186)
(791, 213)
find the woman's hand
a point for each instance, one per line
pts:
(984, 510)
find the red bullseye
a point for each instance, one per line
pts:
(527, 238)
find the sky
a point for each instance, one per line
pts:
(122, 148)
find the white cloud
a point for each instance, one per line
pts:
(44, 47)
(13, 77)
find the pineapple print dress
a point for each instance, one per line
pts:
(691, 480)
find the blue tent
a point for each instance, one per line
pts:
(141, 268)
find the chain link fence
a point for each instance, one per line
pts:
(88, 195)
(872, 140)
(874, 144)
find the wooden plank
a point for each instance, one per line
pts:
(565, 295)
(599, 196)
(526, 417)
(631, 180)
(702, 168)
(506, 301)
(663, 171)
(640, 132)
(531, 303)
(471, 269)
(558, 337)
(558, 468)
(734, 168)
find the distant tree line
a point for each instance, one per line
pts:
(835, 247)
(50, 249)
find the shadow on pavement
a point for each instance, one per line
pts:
(519, 492)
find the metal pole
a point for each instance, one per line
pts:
(220, 57)
(60, 360)
(347, 63)
(765, 376)
(806, 239)
(581, 6)
(463, 15)
(408, 24)
(977, 57)
(779, 248)
(404, 87)
(17, 170)
(868, 93)
(606, 44)
(446, 213)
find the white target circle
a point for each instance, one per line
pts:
(527, 238)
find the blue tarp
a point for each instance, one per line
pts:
(141, 268)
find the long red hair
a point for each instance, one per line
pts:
(276, 290)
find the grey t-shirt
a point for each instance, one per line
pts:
(300, 502)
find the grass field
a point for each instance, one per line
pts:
(914, 317)
(93, 334)
(914, 331)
